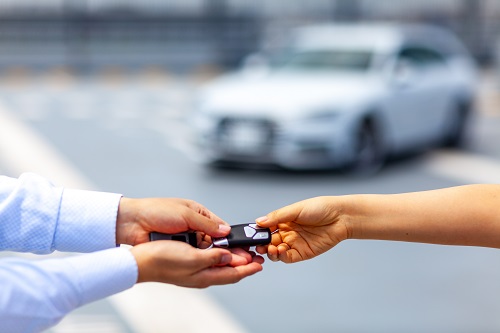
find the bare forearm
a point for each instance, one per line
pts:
(464, 215)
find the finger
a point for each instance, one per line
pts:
(261, 249)
(258, 259)
(204, 241)
(204, 245)
(282, 215)
(272, 253)
(212, 257)
(285, 253)
(236, 261)
(239, 260)
(242, 253)
(202, 223)
(227, 274)
(276, 239)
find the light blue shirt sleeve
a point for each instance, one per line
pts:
(37, 217)
(35, 295)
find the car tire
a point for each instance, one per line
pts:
(456, 125)
(368, 155)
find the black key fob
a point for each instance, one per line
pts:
(244, 235)
(186, 237)
(241, 235)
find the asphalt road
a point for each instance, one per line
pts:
(133, 138)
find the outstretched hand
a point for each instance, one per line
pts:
(181, 264)
(137, 218)
(306, 229)
(175, 262)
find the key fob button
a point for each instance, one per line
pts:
(249, 232)
(261, 235)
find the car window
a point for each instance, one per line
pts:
(421, 57)
(352, 60)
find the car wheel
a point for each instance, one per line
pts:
(369, 154)
(456, 126)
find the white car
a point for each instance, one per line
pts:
(340, 96)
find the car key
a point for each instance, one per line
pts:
(241, 235)
(244, 235)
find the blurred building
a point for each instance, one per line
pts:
(90, 34)
(179, 35)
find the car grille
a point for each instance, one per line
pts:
(246, 136)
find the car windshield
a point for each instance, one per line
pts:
(345, 60)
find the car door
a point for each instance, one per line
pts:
(434, 82)
(415, 99)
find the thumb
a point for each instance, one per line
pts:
(286, 214)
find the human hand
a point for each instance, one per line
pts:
(137, 218)
(178, 263)
(306, 229)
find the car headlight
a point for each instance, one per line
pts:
(203, 120)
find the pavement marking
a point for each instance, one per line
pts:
(146, 307)
(463, 167)
(22, 150)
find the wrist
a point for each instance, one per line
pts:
(372, 216)
(350, 215)
(336, 214)
(126, 221)
(136, 252)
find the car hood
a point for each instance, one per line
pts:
(286, 94)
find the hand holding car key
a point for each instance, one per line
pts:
(241, 236)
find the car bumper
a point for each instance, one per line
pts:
(316, 146)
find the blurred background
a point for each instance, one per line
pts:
(101, 94)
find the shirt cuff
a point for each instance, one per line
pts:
(104, 273)
(87, 221)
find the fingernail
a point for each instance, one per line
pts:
(226, 258)
(262, 219)
(224, 228)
